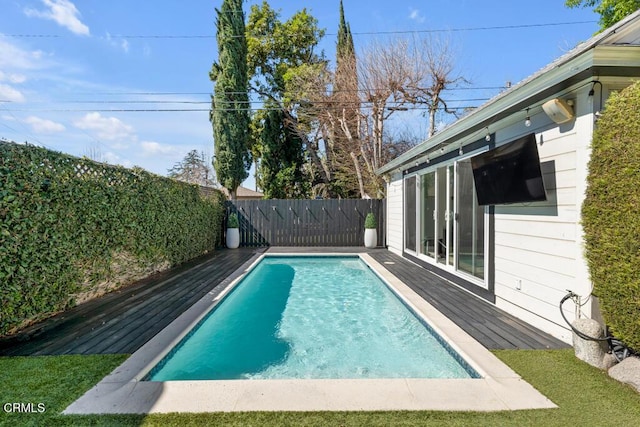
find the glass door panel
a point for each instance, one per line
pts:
(428, 242)
(470, 224)
(449, 215)
(441, 215)
(410, 213)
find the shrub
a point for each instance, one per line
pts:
(370, 221)
(232, 221)
(69, 225)
(611, 215)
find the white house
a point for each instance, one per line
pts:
(521, 256)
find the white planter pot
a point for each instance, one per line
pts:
(233, 238)
(370, 237)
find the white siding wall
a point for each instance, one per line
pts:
(538, 246)
(394, 213)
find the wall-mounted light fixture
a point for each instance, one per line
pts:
(592, 93)
(559, 110)
(460, 150)
(487, 137)
(527, 121)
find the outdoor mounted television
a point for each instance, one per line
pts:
(509, 173)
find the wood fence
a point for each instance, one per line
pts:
(332, 222)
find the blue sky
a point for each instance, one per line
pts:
(68, 66)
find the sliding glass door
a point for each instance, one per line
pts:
(410, 214)
(470, 224)
(428, 241)
(443, 221)
(444, 215)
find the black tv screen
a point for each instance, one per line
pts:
(509, 173)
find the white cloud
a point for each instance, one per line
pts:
(63, 12)
(107, 128)
(11, 94)
(415, 15)
(152, 148)
(123, 44)
(43, 125)
(14, 57)
(12, 78)
(114, 159)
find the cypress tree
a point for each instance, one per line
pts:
(345, 102)
(345, 50)
(230, 102)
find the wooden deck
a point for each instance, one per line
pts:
(121, 322)
(491, 326)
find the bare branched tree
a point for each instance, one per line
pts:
(342, 116)
(195, 168)
(95, 153)
(436, 56)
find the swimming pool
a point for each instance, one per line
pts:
(125, 390)
(312, 318)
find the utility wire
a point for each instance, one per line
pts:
(232, 92)
(249, 102)
(360, 33)
(187, 110)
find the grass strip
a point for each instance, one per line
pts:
(585, 396)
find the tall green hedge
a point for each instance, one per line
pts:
(64, 221)
(611, 215)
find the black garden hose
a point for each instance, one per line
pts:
(616, 347)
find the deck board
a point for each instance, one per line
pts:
(122, 321)
(491, 326)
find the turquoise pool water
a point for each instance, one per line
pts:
(311, 318)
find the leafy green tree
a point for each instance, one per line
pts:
(610, 11)
(194, 169)
(277, 52)
(280, 175)
(230, 102)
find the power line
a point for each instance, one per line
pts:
(359, 33)
(492, 28)
(187, 110)
(248, 102)
(232, 92)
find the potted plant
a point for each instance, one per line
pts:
(370, 232)
(233, 231)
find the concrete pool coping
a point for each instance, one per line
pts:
(124, 391)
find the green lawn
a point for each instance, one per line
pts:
(585, 396)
